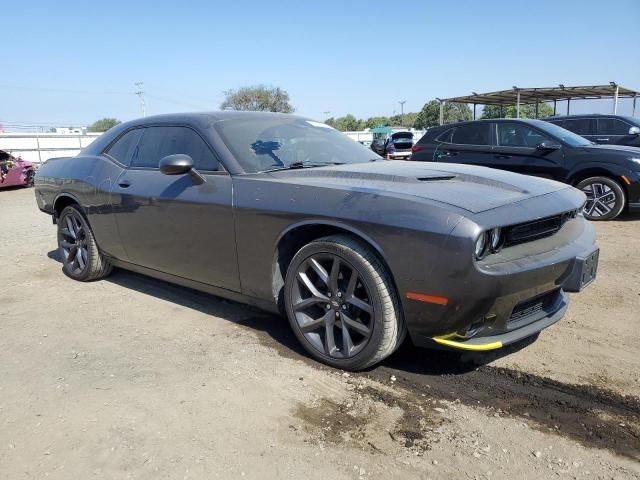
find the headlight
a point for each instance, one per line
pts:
(495, 237)
(481, 246)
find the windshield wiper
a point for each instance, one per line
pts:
(298, 165)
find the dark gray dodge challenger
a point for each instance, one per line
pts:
(292, 216)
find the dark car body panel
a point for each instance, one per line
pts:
(601, 129)
(223, 236)
(568, 164)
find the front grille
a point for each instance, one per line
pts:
(545, 227)
(533, 306)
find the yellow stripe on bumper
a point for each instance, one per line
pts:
(466, 346)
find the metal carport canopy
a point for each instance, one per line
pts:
(523, 96)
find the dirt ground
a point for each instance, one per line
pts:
(134, 378)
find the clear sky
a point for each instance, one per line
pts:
(74, 62)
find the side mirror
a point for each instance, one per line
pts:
(178, 164)
(634, 131)
(547, 146)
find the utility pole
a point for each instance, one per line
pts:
(140, 94)
(326, 114)
(402, 102)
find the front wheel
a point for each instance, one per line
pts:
(341, 303)
(605, 198)
(81, 259)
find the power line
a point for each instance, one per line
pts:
(140, 94)
(61, 90)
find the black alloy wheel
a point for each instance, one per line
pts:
(341, 303)
(81, 259)
(605, 198)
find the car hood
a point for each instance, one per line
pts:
(622, 149)
(475, 189)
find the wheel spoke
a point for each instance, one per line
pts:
(329, 339)
(347, 343)
(70, 227)
(308, 302)
(310, 286)
(333, 278)
(608, 197)
(314, 324)
(360, 304)
(597, 190)
(359, 327)
(65, 244)
(319, 269)
(353, 280)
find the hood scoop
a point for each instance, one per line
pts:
(436, 179)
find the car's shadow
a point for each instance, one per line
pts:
(274, 330)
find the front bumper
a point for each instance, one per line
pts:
(509, 297)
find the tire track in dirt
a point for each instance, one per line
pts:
(592, 416)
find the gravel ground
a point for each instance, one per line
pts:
(134, 378)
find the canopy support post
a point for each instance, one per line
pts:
(568, 105)
(517, 103)
(615, 100)
(633, 111)
(474, 111)
(555, 107)
(537, 104)
(441, 112)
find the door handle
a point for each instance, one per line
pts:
(602, 139)
(502, 156)
(124, 183)
(446, 153)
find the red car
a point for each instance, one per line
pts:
(15, 172)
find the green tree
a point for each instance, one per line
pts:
(103, 124)
(348, 123)
(408, 120)
(259, 98)
(429, 116)
(509, 111)
(373, 122)
(331, 122)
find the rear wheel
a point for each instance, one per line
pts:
(81, 259)
(605, 198)
(341, 303)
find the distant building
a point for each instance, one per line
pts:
(70, 130)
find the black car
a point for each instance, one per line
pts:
(602, 129)
(292, 216)
(608, 175)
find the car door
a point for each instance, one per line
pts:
(585, 127)
(517, 150)
(613, 131)
(177, 224)
(468, 143)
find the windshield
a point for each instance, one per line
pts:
(270, 142)
(566, 136)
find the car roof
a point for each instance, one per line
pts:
(204, 117)
(530, 121)
(592, 115)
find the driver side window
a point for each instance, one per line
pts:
(519, 135)
(158, 142)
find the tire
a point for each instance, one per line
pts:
(30, 177)
(81, 259)
(343, 321)
(605, 198)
